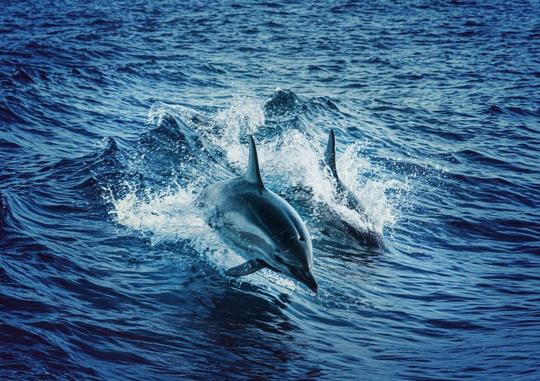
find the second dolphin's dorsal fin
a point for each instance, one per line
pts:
(253, 174)
(330, 153)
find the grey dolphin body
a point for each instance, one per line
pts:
(261, 226)
(369, 237)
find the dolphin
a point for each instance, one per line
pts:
(261, 226)
(351, 201)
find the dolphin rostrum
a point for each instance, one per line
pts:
(261, 226)
(350, 200)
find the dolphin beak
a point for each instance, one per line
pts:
(308, 279)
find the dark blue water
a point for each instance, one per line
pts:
(115, 115)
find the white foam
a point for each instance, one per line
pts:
(170, 216)
(244, 116)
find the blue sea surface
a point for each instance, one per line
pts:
(115, 115)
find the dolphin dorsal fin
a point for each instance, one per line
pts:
(330, 153)
(253, 175)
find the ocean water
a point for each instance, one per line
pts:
(114, 115)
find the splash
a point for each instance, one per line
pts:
(293, 160)
(161, 215)
(244, 116)
(380, 210)
(290, 160)
(169, 216)
(224, 130)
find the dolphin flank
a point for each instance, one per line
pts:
(261, 226)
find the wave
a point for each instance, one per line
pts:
(513, 111)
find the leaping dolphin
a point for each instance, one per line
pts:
(368, 237)
(261, 226)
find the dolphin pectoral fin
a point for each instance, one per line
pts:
(246, 268)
